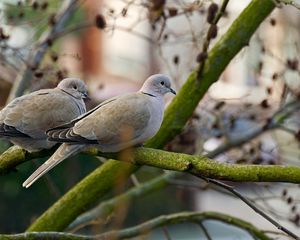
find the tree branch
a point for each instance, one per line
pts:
(157, 158)
(202, 165)
(207, 40)
(289, 2)
(209, 168)
(251, 205)
(107, 207)
(146, 227)
(15, 156)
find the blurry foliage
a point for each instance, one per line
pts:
(19, 207)
(29, 13)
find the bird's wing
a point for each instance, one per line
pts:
(122, 119)
(53, 132)
(31, 115)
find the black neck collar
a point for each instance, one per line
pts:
(148, 94)
(68, 93)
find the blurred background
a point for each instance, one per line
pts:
(114, 46)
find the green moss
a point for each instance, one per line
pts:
(77, 200)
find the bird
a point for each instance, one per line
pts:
(115, 124)
(25, 120)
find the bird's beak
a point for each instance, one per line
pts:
(85, 95)
(172, 91)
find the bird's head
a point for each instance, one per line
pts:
(74, 87)
(157, 84)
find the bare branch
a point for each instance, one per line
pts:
(146, 227)
(289, 2)
(250, 204)
(107, 207)
(207, 41)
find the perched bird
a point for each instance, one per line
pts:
(24, 121)
(115, 124)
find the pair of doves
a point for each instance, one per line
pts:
(41, 119)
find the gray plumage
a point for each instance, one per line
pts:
(115, 124)
(24, 121)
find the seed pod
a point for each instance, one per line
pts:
(212, 32)
(21, 15)
(60, 75)
(124, 12)
(274, 76)
(257, 161)
(201, 57)
(176, 59)
(284, 192)
(44, 5)
(212, 10)
(219, 105)
(157, 4)
(296, 219)
(3, 36)
(49, 42)
(173, 11)
(38, 74)
(269, 90)
(292, 64)
(264, 104)
(54, 57)
(35, 5)
(100, 21)
(273, 21)
(52, 19)
(297, 135)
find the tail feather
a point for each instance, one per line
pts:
(63, 152)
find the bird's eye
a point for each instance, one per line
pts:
(75, 87)
(162, 83)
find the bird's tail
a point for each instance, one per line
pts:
(64, 151)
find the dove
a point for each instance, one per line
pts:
(24, 121)
(117, 123)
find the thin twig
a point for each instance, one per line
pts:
(274, 123)
(289, 2)
(144, 228)
(206, 233)
(207, 41)
(105, 208)
(250, 204)
(166, 233)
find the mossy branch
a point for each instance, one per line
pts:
(198, 165)
(15, 156)
(104, 209)
(146, 227)
(208, 168)
(179, 111)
